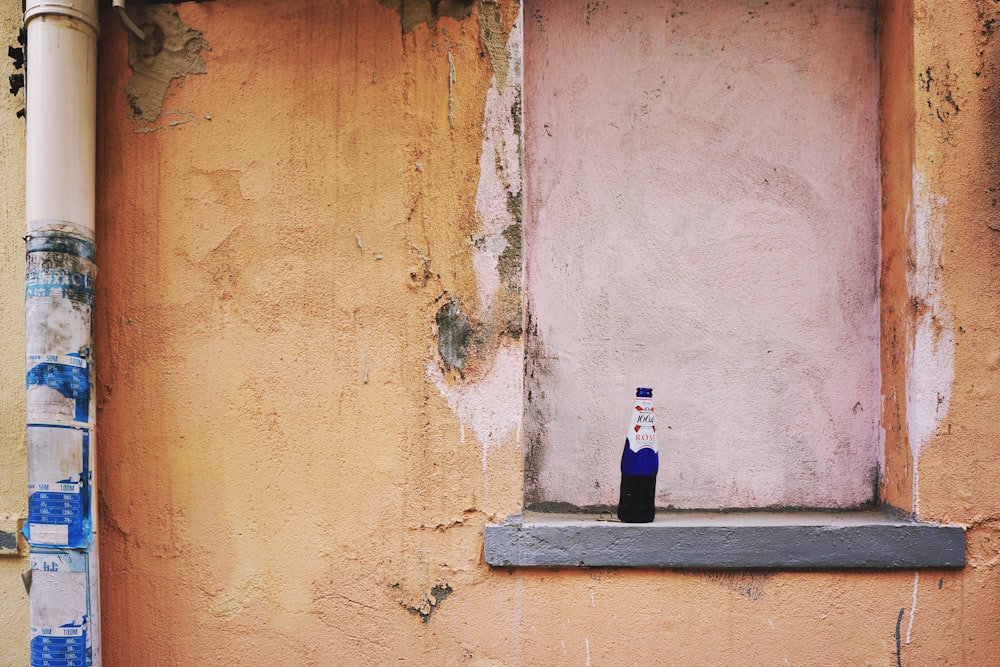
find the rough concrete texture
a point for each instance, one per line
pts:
(289, 471)
(13, 444)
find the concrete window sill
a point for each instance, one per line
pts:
(771, 540)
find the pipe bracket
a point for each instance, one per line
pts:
(82, 10)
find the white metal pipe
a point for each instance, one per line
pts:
(61, 529)
(61, 107)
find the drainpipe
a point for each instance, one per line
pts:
(61, 528)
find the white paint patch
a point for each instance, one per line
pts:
(913, 605)
(930, 372)
(586, 643)
(499, 172)
(490, 405)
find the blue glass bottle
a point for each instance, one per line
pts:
(640, 463)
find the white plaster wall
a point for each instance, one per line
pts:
(702, 216)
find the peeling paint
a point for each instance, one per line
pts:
(171, 51)
(930, 373)
(430, 602)
(489, 400)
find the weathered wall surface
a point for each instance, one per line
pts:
(13, 445)
(310, 358)
(311, 400)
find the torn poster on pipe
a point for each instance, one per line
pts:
(60, 630)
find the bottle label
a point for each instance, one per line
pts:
(642, 427)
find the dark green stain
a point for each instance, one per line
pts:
(509, 262)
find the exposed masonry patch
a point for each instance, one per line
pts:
(454, 334)
(414, 12)
(171, 51)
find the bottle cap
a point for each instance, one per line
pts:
(643, 392)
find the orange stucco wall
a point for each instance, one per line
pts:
(291, 470)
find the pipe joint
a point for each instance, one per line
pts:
(60, 242)
(44, 228)
(82, 10)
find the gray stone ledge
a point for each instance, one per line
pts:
(768, 540)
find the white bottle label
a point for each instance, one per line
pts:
(642, 426)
